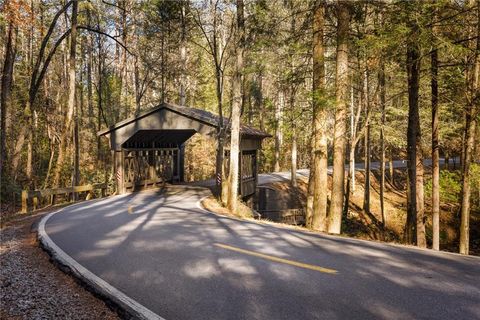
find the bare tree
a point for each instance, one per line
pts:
(217, 49)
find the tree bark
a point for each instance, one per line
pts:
(319, 175)
(415, 227)
(435, 147)
(351, 157)
(183, 55)
(366, 194)
(278, 129)
(6, 94)
(339, 140)
(293, 167)
(381, 83)
(391, 169)
(472, 75)
(71, 97)
(235, 153)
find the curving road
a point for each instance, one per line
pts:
(181, 262)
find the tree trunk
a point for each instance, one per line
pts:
(351, 157)
(183, 56)
(30, 137)
(71, 97)
(435, 149)
(76, 158)
(366, 159)
(466, 185)
(391, 169)
(366, 195)
(235, 155)
(381, 83)
(51, 139)
(319, 175)
(278, 130)
(415, 228)
(339, 140)
(5, 97)
(472, 75)
(293, 171)
(100, 58)
(420, 202)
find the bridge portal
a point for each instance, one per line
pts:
(149, 149)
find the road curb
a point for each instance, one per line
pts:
(126, 307)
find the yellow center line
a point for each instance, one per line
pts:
(277, 259)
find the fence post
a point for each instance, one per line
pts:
(24, 201)
(35, 202)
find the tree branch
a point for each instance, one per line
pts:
(45, 41)
(107, 35)
(36, 84)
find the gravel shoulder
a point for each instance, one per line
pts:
(31, 286)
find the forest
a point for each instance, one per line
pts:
(336, 83)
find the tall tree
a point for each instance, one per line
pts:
(235, 154)
(7, 81)
(71, 96)
(317, 215)
(382, 85)
(217, 48)
(435, 141)
(367, 140)
(471, 115)
(415, 226)
(339, 139)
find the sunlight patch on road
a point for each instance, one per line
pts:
(277, 259)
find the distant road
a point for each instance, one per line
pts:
(181, 262)
(266, 178)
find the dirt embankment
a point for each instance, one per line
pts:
(31, 287)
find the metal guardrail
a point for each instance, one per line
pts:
(36, 195)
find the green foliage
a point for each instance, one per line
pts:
(450, 187)
(475, 182)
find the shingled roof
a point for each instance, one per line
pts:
(193, 113)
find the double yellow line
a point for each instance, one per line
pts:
(277, 259)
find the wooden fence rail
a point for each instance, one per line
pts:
(35, 195)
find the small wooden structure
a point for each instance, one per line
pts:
(149, 149)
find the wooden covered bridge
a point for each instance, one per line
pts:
(149, 149)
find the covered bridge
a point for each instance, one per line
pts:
(149, 149)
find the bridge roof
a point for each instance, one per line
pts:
(202, 116)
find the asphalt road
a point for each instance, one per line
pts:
(181, 262)
(265, 178)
